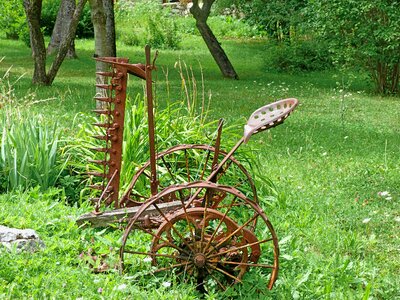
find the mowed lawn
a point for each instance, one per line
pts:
(334, 165)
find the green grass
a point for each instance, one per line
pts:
(328, 162)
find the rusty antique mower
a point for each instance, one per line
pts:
(193, 207)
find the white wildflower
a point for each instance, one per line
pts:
(366, 220)
(166, 284)
(122, 287)
(147, 259)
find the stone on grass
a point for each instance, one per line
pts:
(21, 239)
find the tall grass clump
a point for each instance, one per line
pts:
(29, 144)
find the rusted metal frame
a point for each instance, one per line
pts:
(117, 130)
(113, 127)
(151, 123)
(105, 190)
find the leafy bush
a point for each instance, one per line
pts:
(364, 34)
(49, 15)
(12, 18)
(279, 19)
(145, 22)
(232, 27)
(298, 56)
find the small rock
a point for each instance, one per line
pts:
(22, 239)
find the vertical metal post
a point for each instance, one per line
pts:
(150, 114)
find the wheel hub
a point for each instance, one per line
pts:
(200, 260)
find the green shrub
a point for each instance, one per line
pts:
(49, 15)
(12, 18)
(85, 26)
(298, 56)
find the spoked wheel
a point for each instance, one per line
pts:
(185, 164)
(211, 247)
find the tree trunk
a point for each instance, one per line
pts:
(60, 30)
(201, 13)
(216, 50)
(33, 10)
(68, 38)
(103, 46)
(110, 26)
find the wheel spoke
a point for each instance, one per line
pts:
(168, 169)
(187, 269)
(216, 279)
(187, 166)
(207, 196)
(205, 164)
(162, 239)
(187, 218)
(154, 254)
(236, 230)
(219, 225)
(223, 170)
(173, 266)
(172, 227)
(224, 272)
(247, 264)
(240, 247)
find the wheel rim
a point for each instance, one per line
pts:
(184, 164)
(203, 245)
